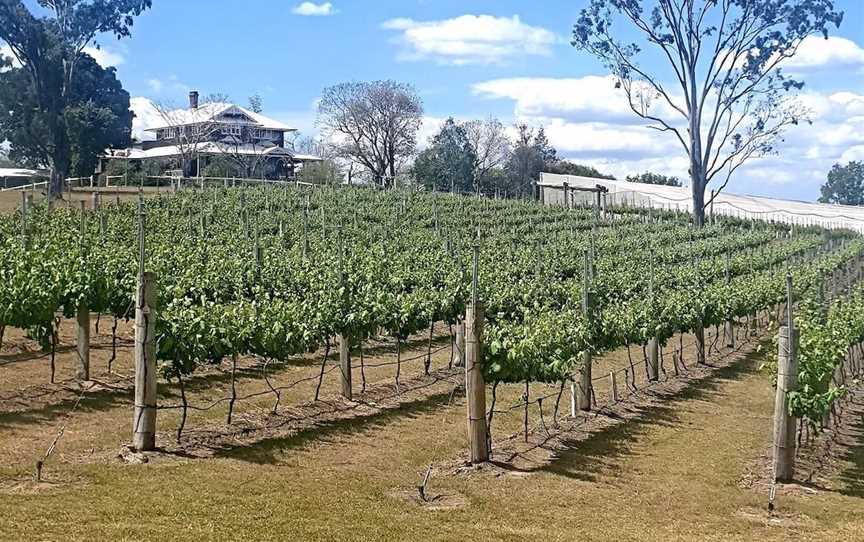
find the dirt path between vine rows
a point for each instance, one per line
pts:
(677, 471)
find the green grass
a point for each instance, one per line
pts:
(673, 474)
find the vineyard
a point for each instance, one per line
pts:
(388, 294)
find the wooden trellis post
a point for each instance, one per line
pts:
(25, 208)
(729, 325)
(787, 378)
(144, 421)
(699, 332)
(475, 386)
(653, 343)
(82, 367)
(345, 364)
(581, 390)
(144, 416)
(459, 346)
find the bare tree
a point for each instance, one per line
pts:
(374, 124)
(330, 170)
(189, 129)
(488, 139)
(256, 104)
(244, 151)
(729, 100)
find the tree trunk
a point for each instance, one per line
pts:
(59, 160)
(59, 172)
(697, 184)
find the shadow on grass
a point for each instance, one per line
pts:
(103, 400)
(853, 476)
(268, 450)
(92, 402)
(585, 459)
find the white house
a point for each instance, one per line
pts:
(247, 143)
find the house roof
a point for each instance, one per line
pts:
(211, 111)
(210, 148)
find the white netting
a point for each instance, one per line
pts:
(670, 197)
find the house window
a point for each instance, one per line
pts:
(232, 129)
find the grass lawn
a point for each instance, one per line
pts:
(673, 474)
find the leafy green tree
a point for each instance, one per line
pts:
(546, 151)
(729, 101)
(49, 49)
(531, 155)
(654, 178)
(448, 163)
(845, 185)
(96, 117)
(565, 167)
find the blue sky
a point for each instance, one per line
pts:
(514, 62)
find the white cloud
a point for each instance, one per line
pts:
(471, 39)
(106, 58)
(156, 85)
(587, 98)
(315, 10)
(170, 84)
(818, 52)
(853, 154)
(588, 121)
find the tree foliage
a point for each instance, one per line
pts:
(374, 124)
(96, 117)
(491, 147)
(256, 103)
(449, 161)
(730, 100)
(845, 185)
(531, 154)
(566, 167)
(654, 178)
(49, 49)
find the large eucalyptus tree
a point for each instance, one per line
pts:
(709, 72)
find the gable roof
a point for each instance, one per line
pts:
(210, 112)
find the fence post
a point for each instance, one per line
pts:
(566, 186)
(144, 420)
(475, 386)
(787, 378)
(597, 205)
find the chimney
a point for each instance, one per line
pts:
(193, 99)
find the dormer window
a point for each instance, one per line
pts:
(232, 129)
